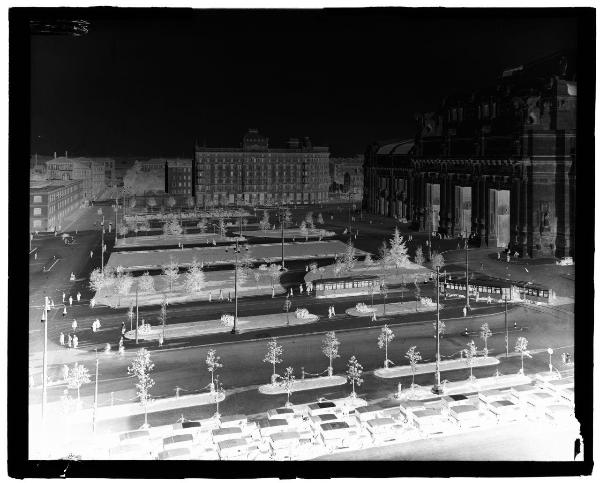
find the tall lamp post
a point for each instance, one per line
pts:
(282, 209)
(506, 324)
(468, 306)
(437, 387)
(236, 250)
(95, 394)
(102, 247)
(45, 360)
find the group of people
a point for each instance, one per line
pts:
(64, 297)
(221, 296)
(331, 311)
(71, 342)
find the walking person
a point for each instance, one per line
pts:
(64, 295)
(160, 340)
(75, 341)
(329, 312)
(70, 300)
(300, 289)
(220, 294)
(333, 310)
(92, 303)
(291, 292)
(464, 311)
(62, 339)
(65, 372)
(122, 328)
(210, 296)
(74, 325)
(70, 341)
(35, 256)
(78, 296)
(272, 292)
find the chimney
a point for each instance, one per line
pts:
(54, 154)
(66, 154)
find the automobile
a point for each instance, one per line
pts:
(175, 454)
(565, 261)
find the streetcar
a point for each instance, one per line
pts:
(498, 290)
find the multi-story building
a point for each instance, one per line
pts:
(91, 172)
(178, 177)
(257, 173)
(51, 201)
(497, 165)
(346, 176)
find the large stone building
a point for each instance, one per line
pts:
(258, 173)
(178, 177)
(497, 165)
(51, 201)
(92, 174)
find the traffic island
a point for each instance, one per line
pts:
(429, 367)
(303, 385)
(396, 308)
(207, 327)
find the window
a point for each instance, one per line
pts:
(37, 211)
(37, 199)
(37, 223)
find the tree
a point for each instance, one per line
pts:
(320, 219)
(141, 367)
(130, 314)
(413, 357)
(287, 382)
(384, 291)
(146, 283)
(354, 373)
(385, 337)
(485, 333)
(202, 225)
(274, 350)
(123, 284)
(171, 272)
(265, 223)
(163, 314)
(398, 253)
(194, 278)
(96, 280)
(417, 294)
(256, 274)
(274, 273)
(368, 261)
(338, 265)
(382, 252)
(171, 202)
(219, 391)
(521, 347)
(222, 227)
(77, 376)
(419, 258)
(309, 220)
(303, 229)
(437, 260)
(190, 202)
(123, 229)
(287, 217)
(287, 305)
(442, 327)
(172, 227)
(349, 257)
(330, 347)
(213, 361)
(470, 353)
(132, 202)
(150, 202)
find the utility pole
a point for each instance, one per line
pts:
(102, 248)
(282, 222)
(506, 324)
(45, 362)
(467, 271)
(137, 314)
(437, 387)
(236, 250)
(430, 213)
(95, 395)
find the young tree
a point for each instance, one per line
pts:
(521, 347)
(442, 327)
(419, 258)
(218, 393)
(171, 202)
(437, 260)
(163, 314)
(470, 353)
(287, 305)
(171, 272)
(194, 278)
(287, 382)
(202, 225)
(485, 333)
(303, 229)
(213, 362)
(145, 283)
(338, 266)
(413, 357)
(382, 252)
(417, 294)
(320, 219)
(384, 291)
(330, 347)
(287, 217)
(96, 280)
(368, 261)
(256, 274)
(222, 227)
(123, 284)
(123, 229)
(274, 350)
(397, 254)
(265, 222)
(385, 337)
(77, 376)
(190, 202)
(349, 257)
(141, 367)
(151, 202)
(130, 315)
(274, 271)
(132, 202)
(354, 374)
(309, 220)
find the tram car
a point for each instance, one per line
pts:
(498, 290)
(342, 287)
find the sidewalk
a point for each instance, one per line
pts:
(429, 367)
(194, 329)
(394, 308)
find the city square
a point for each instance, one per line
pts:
(346, 296)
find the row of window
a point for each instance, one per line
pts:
(344, 285)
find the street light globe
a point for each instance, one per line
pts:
(550, 351)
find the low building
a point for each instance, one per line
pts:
(51, 201)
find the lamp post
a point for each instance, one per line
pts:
(102, 247)
(437, 387)
(137, 314)
(45, 361)
(282, 209)
(430, 214)
(550, 352)
(506, 324)
(95, 395)
(236, 250)
(468, 306)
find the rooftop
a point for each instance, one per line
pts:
(43, 186)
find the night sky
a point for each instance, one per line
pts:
(150, 84)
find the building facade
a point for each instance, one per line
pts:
(258, 173)
(497, 165)
(178, 177)
(92, 174)
(346, 176)
(51, 201)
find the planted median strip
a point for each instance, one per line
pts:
(304, 385)
(429, 367)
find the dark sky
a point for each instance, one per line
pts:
(149, 84)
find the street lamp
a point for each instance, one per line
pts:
(437, 387)
(45, 360)
(550, 352)
(506, 323)
(468, 306)
(236, 250)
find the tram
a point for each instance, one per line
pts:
(342, 287)
(498, 290)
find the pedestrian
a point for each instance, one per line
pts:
(220, 294)
(210, 296)
(272, 292)
(481, 267)
(92, 303)
(306, 268)
(121, 342)
(35, 256)
(107, 348)
(70, 341)
(64, 297)
(62, 339)
(74, 325)
(333, 310)
(568, 358)
(464, 311)
(75, 341)
(300, 289)
(122, 328)
(94, 326)
(329, 312)
(91, 254)
(64, 311)
(508, 258)
(291, 292)
(564, 358)
(78, 296)
(65, 372)
(72, 277)
(498, 255)
(516, 255)
(160, 340)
